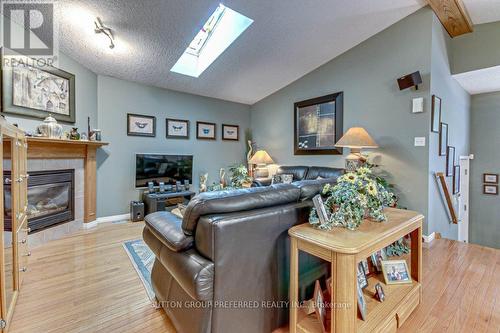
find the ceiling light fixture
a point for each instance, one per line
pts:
(101, 29)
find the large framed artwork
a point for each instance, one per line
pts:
(319, 124)
(141, 125)
(36, 92)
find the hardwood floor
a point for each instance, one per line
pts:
(86, 283)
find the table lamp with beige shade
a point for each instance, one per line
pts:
(262, 159)
(356, 138)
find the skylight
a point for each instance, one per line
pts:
(222, 28)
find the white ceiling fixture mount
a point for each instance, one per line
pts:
(100, 28)
(222, 28)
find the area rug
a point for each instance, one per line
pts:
(142, 259)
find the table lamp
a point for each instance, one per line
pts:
(356, 139)
(262, 159)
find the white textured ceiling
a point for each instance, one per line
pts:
(480, 81)
(288, 39)
(483, 11)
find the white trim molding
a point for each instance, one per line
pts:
(106, 219)
(430, 238)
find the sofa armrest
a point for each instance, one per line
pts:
(260, 182)
(168, 229)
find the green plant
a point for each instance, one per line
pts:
(398, 248)
(356, 195)
(238, 179)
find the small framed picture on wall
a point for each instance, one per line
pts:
(443, 139)
(205, 131)
(141, 125)
(490, 189)
(490, 178)
(230, 132)
(436, 113)
(177, 129)
(456, 179)
(450, 161)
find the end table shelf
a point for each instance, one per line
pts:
(344, 249)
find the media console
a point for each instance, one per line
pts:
(159, 201)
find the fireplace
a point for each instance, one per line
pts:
(51, 198)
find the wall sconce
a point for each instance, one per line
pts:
(101, 29)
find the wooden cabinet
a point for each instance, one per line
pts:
(14, 242)
(344, 249)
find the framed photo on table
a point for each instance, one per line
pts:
(320, 308)
(396, 272)
(141, 125)
(177, 128)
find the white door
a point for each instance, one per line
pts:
(463, 209)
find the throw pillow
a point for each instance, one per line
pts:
(287, 178)
(276, 179)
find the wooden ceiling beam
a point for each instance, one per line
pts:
(453, 16)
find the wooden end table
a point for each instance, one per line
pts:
(344, 249)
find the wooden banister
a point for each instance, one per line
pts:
(442, 180)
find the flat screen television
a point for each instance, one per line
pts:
(158, 168)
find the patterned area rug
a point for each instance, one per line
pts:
(142, 259)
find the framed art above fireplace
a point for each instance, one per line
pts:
(319, 125)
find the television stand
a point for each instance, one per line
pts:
(160, 201)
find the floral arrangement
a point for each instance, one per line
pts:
(356, 195)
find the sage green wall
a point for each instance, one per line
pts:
(480, 49)
(484, 225)
(367, 75)
(456, 113)
(116, 162)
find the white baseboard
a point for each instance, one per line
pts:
(430, 238)
(106, 219)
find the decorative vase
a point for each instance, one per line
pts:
(74, 135)
(50, 128)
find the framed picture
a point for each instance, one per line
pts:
(230, 132)
(490, 189)
(361, 303)
(361, 276)
(366, 267)
(396, 272)
(329, 287)
(36, 92)
(377, 258)
(490, 178)
(450, 161)
(320, 209)
(319, 305)
(456, 179)
(436, 113)
(140, 125)
(177, 128)
(379, 292)
(319, 125)
(205, 131)
(443, 139)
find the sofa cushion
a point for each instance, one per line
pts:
(218, 202)
(298, 172)
(168, 229)
(309, 188)
(323, 172)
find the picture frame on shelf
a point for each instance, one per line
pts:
(396, 272)
(379, 293)
(319, 305)
(450, 161)
(377, 258)
(490, 189)
(456, 179)
(206, 131)
(490, 178)
(177, 128)
(319, 124)
(443, 139)
(141, 125)
(436, 114)
(361, 276)
(361, 303)
(230, 132)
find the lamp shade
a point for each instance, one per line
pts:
(261, 157)
(357, 137)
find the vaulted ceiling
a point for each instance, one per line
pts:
(288, 39)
